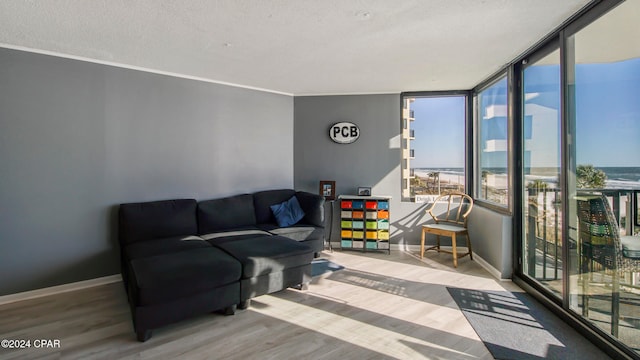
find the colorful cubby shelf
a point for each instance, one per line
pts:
(364, 222)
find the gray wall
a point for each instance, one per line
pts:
(77, 138)
(491, 233)
(374, 160)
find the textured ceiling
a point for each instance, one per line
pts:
(298, 47)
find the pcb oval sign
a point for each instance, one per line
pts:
(344, 132)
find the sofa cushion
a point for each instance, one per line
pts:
(168, 277)
(297, 232)
(313, 207)
(263, 200)
(164, 246)
(264, 255)
(630, 246)
(287, 213)
(226, 213)
(235, 234)
(156, 219)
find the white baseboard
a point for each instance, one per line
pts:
(59, 289)
(490, 269)
(416, 248)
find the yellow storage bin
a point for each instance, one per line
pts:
(383, 235)
(372, 234)
(346, 234)
(358, 234)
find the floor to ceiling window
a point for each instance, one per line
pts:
(603, 62)
(579, 185)
(541, 158)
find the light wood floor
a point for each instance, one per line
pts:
(379, 307)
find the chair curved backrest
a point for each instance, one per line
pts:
(459, 206)
(603, 223)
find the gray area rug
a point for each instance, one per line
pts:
(516, 326)
(323, 266)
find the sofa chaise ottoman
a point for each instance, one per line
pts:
(181, 258)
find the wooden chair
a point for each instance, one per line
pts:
(452, 223)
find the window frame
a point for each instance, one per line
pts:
(505, 209)
(468, 128)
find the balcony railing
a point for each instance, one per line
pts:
(544, 220)
(600, 291)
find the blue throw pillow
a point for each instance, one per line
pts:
(288, 213)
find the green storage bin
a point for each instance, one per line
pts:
(345, 224)
(372, 225)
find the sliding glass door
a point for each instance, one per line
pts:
(579, 143)
(541, 159)
(603, 68)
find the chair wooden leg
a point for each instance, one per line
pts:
(422, 244)
(469, 246)
(438, 242)
(455, 252)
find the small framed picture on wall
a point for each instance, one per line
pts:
(364, 191)
(328, 189)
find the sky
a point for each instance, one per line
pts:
(607, 116)
(439, 132)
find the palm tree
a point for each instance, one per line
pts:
(588, 177)
(537, 185)
(435, 176)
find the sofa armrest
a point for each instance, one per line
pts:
(313, 207)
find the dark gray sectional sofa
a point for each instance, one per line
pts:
(181, 257)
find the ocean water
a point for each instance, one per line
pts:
(617, 177)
